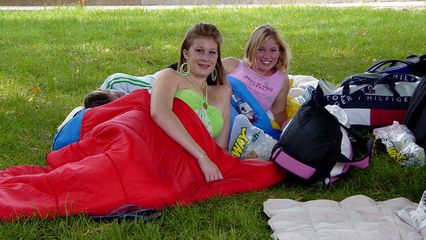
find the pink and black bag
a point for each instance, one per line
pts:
(316, 148)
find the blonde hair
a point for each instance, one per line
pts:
(259, 35)
(209, 31)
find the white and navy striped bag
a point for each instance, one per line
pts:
(370, 99)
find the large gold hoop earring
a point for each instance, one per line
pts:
(182, 69)
(213, 75)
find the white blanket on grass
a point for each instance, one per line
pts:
(357, 217)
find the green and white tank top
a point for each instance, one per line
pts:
(211, 116)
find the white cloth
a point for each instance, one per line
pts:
(355, 218)
(127, 83)
(300, 84)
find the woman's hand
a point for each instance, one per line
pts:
(210, 170)
(163, 92)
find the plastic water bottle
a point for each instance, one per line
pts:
(244, 108)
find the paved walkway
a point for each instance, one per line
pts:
(394, 5)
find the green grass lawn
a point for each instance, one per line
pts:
(51, 59)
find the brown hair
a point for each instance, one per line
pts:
(259, 35)
(209, 31)
(97, 98)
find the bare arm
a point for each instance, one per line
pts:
(280, 103)
(223, 94)
(163, 93)
(230, 64)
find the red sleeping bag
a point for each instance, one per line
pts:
(123, 157)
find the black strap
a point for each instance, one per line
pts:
(369, 143)
(388, 79)
(391, 63)
(362, 78)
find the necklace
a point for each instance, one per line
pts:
(201, 90)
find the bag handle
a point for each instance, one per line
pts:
(382, 64)
(369, 79)
(363, 161)
(381, 78)
(362, 78)
(398, 77)
(388, 79)
(391, 79)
